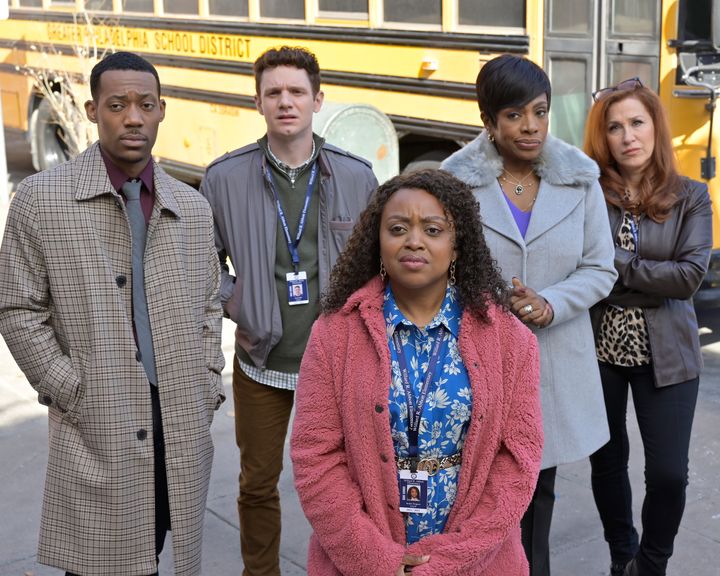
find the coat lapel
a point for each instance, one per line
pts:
(553, 204)
(496, 215)
(91, 175)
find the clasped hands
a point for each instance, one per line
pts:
(408, 561)
(529, 306)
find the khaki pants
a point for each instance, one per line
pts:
(262, 414)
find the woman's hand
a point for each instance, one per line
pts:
(408, 561)
(529, 306)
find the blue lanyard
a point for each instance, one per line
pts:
(634, 230)
(293, 245)
(415, 410)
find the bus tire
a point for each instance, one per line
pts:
(46, 144)
(427, 160)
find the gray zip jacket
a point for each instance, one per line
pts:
(245, 226)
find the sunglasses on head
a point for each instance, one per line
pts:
(629, 84)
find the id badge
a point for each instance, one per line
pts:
(413, 491)
(297, 288)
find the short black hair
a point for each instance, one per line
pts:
(297, 57)
(120, 61)
(509, 81)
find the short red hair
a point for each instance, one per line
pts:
(660, 184)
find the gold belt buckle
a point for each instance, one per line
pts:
(429, 465)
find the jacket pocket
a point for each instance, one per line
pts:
(340, 231)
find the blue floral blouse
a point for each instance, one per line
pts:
(446, 414)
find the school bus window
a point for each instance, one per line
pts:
(228, 7)
(622, 69)
(344, 6)
(282, 9)
(138, 6)
(413, 11)
(105, 5)
(635, 17)
(695, 23)
(570, 18)
(31, 3)
(510, 13)
(63, 3)
(181, 7)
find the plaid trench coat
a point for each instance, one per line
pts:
(66, 315)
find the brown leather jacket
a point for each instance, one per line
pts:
(661, 278)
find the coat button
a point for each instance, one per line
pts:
(118, 204)
(141, 434)
(46, 400)
(383, 458)
(378, 408)
(121, 281)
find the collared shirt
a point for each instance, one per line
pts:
(291, 173)
(118, 178)
(446, 414)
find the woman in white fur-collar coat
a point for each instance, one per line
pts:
(545, 222)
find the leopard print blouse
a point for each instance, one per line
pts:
(623, 337)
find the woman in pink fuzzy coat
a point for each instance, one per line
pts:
(417, 379)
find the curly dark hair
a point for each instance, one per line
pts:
(478, 279)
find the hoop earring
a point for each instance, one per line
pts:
(451, 280)
(382, 271)
(491, 138)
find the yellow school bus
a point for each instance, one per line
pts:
(415, 60)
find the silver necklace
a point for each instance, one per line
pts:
(519, 186)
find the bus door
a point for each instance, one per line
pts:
(590, 44)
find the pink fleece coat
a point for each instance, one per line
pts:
(343, 457)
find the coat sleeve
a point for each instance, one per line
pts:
(680, 275)
(626, 297)
(594, 276)
(227, 280)
(510, 481)
(26, 320)
(331, 500)
(212, 326)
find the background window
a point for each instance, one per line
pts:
(98, 5)
(138, 5)
(31, 3)
(358, 6)
(229, 7)
(570, 17)
(181, 6)
(509, 13)
(282, 9)
(635, 16)
(413, 11)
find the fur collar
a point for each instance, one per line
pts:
(478, 163)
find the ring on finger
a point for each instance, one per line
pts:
(527, 308)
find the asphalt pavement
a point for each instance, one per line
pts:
(578, 548)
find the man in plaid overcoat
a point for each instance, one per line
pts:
(66, 314)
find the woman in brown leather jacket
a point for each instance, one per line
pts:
(646, 331)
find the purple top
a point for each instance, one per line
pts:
(522, 219)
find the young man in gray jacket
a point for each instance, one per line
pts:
(284, 207)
